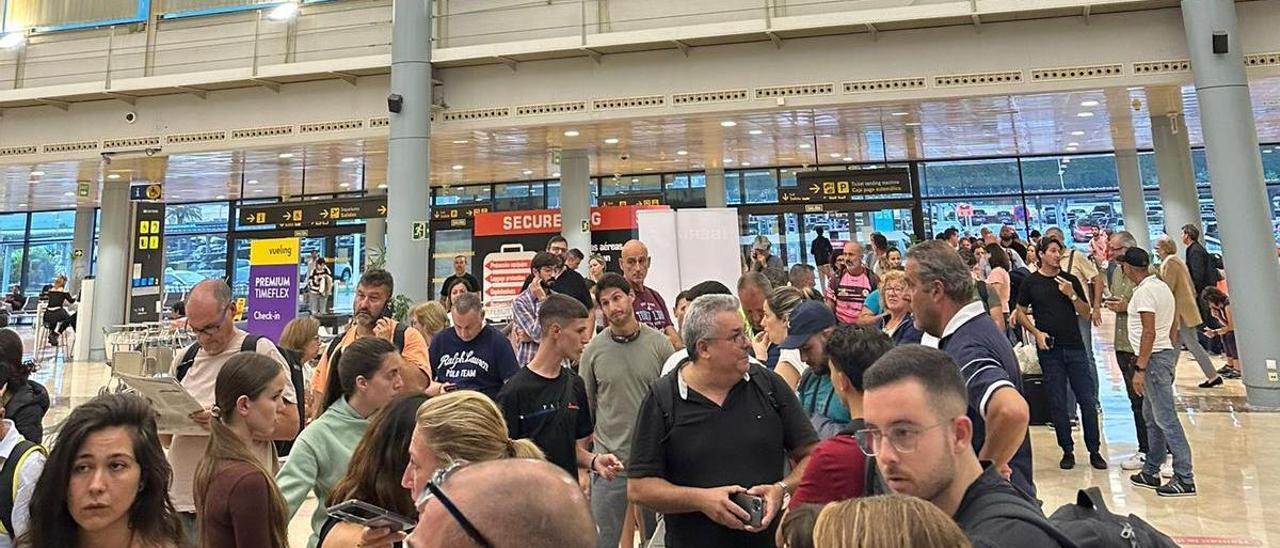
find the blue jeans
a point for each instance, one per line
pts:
(1086, 334)
(1066, 371)
(1164, 430)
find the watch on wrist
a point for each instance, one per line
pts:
(783, 486)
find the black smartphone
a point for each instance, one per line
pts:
(387, 311)
(753, 505)
(368, 515)
(1048, 340)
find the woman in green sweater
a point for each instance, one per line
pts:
(368, 377)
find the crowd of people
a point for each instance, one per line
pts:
(874, 399)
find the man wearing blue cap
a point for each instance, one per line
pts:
(808, 329)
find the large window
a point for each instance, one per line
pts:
(517, 196)
(195, 246)
(13, 232)
(1070, 173)
(970, 177)
(686, 190)
(456, 195)
(49, 249)
(637, 184)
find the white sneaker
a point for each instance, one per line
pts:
(1136, 462)
(1166, 471)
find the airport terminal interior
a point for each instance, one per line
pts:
(148, 147)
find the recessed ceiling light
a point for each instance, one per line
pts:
(682, 153)
(460, 142)
(806, 145)
(344, 185)
(37, 173)
(1089, 103)
(113, 176)
(728, 123)
(1066, 160)
(382, 186)
(635, 179)
(457, 167)
(22, 205)
(68, 194)
(745, 164)
(1077, 133)
(913, 124)
(648, 169)
(348, 160)
(1072, 149)
(847, 159)
(784, 171)
(1085, 115)
(257, 190)
(283, 11)
(899, 113)
(835, 155)
(1135, 88)
(611, 141)
(556, 174)
(1073, 144)
(572, 133)
(756, 132)
(527, 172)
(285, 155)
(253, 181)
(728, 160)
(220, 197)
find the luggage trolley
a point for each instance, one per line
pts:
(141, 349)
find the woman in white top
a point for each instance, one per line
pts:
(777, 312)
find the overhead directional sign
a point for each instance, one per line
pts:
(449, 213)
(146, 192)
(839, 186)
(313, 213)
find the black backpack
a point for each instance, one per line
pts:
(9, 480)
(250, 344)
(1093, 526)
(664, 391)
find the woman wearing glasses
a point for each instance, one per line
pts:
(896, 320)
(367, 379)
(384, 447)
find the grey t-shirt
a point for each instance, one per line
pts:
(617, 376)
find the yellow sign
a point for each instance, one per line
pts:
(274, 251)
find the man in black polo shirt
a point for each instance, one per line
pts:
(1057, 299)
(916, 428)
(942, 305)
(716, 427)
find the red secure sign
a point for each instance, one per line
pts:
(548, 221)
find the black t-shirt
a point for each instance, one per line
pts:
(552, 412)
(481, 364)
(821, 250)
(745, 442)
(568, 283)
(1054, 313)
(988, 516)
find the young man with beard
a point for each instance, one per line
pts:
(917, 430)
(617, 368)
(547, 403)
(470, 355)
(524, 317)
(372, 318)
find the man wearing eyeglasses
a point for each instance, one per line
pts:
(917, 430)
(210, 316)
(507, 502)
(651, 309)
(717, 427)
(1119, 292)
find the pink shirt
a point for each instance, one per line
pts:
(850, 294)
(999, 279)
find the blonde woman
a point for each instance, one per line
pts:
(777, 313)
(889, 521)
(461, 426)
(428, 318)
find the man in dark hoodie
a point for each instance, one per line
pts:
(25, 401)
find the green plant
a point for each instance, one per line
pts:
(400, 306)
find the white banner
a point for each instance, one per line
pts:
(690, 246)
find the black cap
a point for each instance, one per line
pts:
(807, 319)
(1135, 257)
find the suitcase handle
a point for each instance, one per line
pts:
(511, 248)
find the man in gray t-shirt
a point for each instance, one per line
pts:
(617, 367)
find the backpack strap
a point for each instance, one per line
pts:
(250, 343)
(333, 347)
(398, 338)
(9, 478)
(188, 360)
(664, 393)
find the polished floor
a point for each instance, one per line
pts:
(1232, 445)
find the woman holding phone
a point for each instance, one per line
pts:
(232, 487)
(384, 447)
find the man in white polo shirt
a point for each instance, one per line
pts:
(1151, 332)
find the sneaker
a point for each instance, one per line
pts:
(1136, 462)
(1166, 470)
(1212, 383)
(1141, 479)
(1231, 374)
(1068, 461)
(1177, 488)
(1097, 462)
(1224, 370)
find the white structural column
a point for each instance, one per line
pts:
(375, 239)
(111, 283)
(575, 200)
(1133, 204)
(715, 187)
(1173, 166)
(408, 149)
(1235, 172)
(81, 242)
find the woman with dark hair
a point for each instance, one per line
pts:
(368, 378)
(106, 480)
(1220, 308)
(25, 401)
(998, 281)
(384, 448)
(451, 291)
(237, 499)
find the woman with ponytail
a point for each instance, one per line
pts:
(367, 379)
(25, 401)
(459, 426)
(385, 447)
(236, 499)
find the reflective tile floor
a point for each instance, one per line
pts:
(1231, 444)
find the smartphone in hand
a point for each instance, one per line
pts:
(753, 505)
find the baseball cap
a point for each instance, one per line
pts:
(1135, 257)
(807, 319)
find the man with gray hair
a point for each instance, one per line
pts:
(1120, 291)
(211, 318)
(943, 307)
(714, 425)
(471, 355)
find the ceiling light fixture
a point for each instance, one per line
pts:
(611, 141)
(382, 186)
(556, 174)
(1084, 115)
(13, 39)
(745, 164)
(835, 155)
(283, 12)
(728, 160)
(806, 145)
(728, 123)
(253, 181)
(572, 133)
(68, 194)
(847, 159)
(22, 205)
(635, 179)
(648, 169)
(113, 176)
(1089, 103)
(344, 185)
(257, 190)
(220, 197)
(460, 141)
(527, 172)
(348, 160)
(682, 153)
(457, 167)
(1073, 144)
(285, 155)
(899, 113)
(37, 173)
(756, 132)
(1077, 133)
(1072, 149)
(913, 124)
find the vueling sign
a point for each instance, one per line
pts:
(274, 251)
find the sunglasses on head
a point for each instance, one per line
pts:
(433, 491)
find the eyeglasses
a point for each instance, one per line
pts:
(212, 328)
(903, 438)
(432, 490)
(739, 337)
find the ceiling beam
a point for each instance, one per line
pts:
(1087, 10)
(977, 22)
(684, 48)
(595, 55)
(65, 106)
(130, 100)
(773, 37)
(271, 85)
(201, 93)
(509, 62)
(346, 77)
(875, 33)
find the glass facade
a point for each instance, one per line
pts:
(195, 246)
